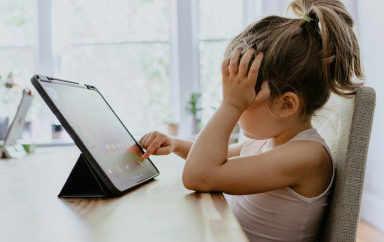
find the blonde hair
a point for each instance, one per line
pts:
(309, 58)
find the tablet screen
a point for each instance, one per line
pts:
(102, 133)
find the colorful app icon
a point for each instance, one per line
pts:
(118, 168)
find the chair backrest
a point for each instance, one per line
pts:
(345, 124)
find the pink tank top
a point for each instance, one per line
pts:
(282, 214)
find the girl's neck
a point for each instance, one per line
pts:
(288, 133)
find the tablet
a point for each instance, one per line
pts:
(109, 148)
(11, 149)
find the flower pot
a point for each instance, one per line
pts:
(172, 128)
(195, 125)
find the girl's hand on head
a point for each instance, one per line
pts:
(156, 143)
(238, 82)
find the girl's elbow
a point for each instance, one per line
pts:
(189, 184)
(195, 181)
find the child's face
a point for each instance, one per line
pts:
(260, 120)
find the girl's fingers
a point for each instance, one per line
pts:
(163, 150)
(155, 144)
(148, 139)
(152, 138)
(244, 63)
(264, 92)
(143, 140)
(254, 70)
(233, 63)
(224, 68)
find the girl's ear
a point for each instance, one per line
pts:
(289, 104)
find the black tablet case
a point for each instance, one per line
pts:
(83, 182)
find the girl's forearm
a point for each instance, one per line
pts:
(211, 146)
(182, 147)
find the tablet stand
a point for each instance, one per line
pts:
(83, 182)
(11, 148)
(12, 151)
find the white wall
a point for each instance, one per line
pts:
(371, 37)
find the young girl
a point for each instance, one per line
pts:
(275, 75)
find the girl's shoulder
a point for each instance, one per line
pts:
(311, 135)
(308, 134)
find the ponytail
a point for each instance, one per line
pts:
(340, 48)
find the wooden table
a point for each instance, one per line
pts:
(161, 210)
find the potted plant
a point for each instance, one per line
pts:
(194, 108)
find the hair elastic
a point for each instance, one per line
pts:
(308, 19)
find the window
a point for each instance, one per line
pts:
(17, 49)
(121, 47)
(17, 42)
(219, 22)
(215, 30)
